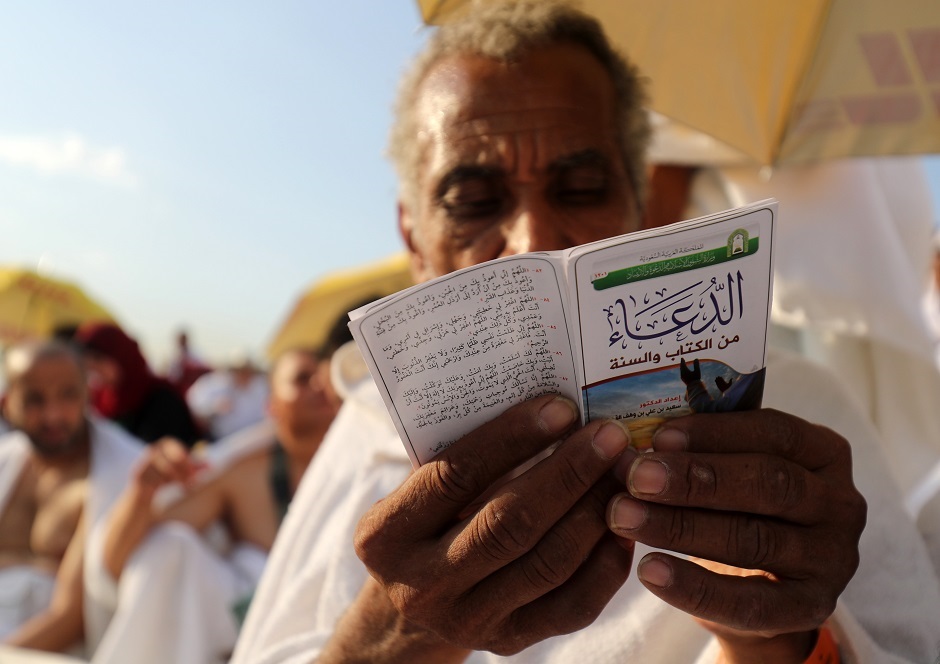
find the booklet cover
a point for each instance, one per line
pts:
(640, 327)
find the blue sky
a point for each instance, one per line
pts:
(201, 167)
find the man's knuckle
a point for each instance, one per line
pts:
(755, 610)
(701, 482)
(579, 614)
(417, 605)
(681, 532)
(851, 561)
(450, 482)
(504, 534)
(550, 563)
(572, 478)
(859, 510)
(508, 644)
(503, 636)
(367, 540)
(752, 615)
(837, 449)
(841, 447)
(455, 623)
(517, 426)
(787, 431)
(781, 489)
(756, 543)
(542, 573)
(701, 597)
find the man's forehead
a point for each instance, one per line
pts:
(556, 83)
(554, 103)
(545, 121)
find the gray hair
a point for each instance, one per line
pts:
(505, 31)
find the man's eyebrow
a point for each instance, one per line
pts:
(463, 173)
(589, 157)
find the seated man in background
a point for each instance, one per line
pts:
(520, 130)
(229, 399)
(169, 570)
(59, 473)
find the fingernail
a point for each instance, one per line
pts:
(648, 477)
(627, 514)
(557, 415)
(610, 440)
(655, 572)
(670, 440)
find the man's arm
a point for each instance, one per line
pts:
(134, 514)
(760, 491)
(534, 560)
(62, 622)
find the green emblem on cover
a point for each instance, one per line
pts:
(738, 242)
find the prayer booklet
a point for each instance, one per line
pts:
(641, 327)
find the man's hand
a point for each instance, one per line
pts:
(534, 560)
(165, 461)
(760, 490)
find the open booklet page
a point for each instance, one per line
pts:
(453, 353)
(654, 324)
(675, 323)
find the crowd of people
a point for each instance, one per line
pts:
(300, 531)
(116, 483)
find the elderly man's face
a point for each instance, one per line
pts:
(514, 159)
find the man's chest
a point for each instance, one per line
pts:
(41, 513)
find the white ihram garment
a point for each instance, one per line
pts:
(178, 591)
(890, 612)
(113, 454)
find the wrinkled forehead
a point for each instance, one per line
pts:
(557, 100)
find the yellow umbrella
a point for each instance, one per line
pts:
(785, 81)
(333, 296)
(33, 305)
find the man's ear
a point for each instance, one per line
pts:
(406, 228)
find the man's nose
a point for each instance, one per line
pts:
(535, 227)
(54, 412)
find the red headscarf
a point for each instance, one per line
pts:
(136, 382)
